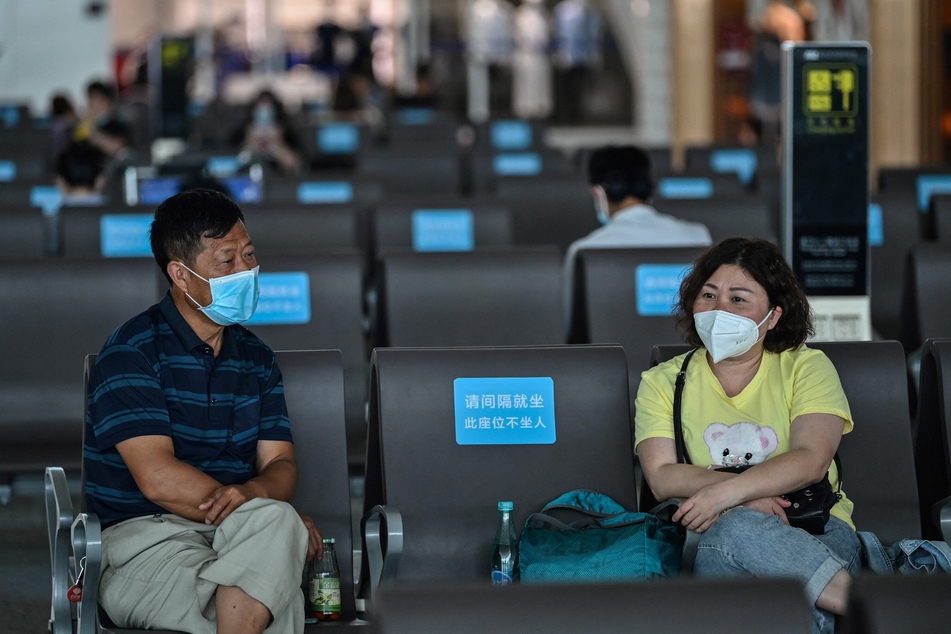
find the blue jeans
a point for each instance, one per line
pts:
(745, 542)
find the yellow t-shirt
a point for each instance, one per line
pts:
(752, 426)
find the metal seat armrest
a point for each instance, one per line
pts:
(688, 555)
(383, 561)
(941, 516)
(87, 552)
(59, 518)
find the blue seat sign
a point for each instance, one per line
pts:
(876, 228)
(511, 135)
(657, 286)
(154, 191)
(517, 164)
(415, 116)
(443, 230)
(285, 299)
(929, 185)
(243, 189)
(125, 235)
(8, 171)
(219, 166)
(741, 161)
(504, 411)
(47, 197)
(338, 138)
(685, 187)
(10, 115)
(324, 192)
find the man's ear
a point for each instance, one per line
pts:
(177, 273)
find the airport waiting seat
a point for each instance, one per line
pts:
(661, 607)
(313, 384)
(873, 377)
(548, 209)
(725, 157)
(895, 603)
(492, 167)
(703, 185)
(926, 300)
(490, 297)
(626, 296)
(23, 232)
(459, 226)
(727, 217)
(313, 302)
(939, 212)
(298, 229)
(434, 501)
(17, 193)
(107, 231)
(325, 188)
(889, 248)
(893, 178)
(276, 230)
(932, 440)
(424, 168)
(54, 312)
(24, 157)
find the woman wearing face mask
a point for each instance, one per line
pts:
(754, 394)
(267, 133)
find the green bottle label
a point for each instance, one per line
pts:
(326, 594)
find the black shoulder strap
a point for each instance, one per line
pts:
(678, 397)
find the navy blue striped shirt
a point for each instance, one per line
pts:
(155, 377)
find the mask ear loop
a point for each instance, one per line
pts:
(187, 294)
(765, 319)
(601, 204)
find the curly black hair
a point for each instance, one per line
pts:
(765, 263)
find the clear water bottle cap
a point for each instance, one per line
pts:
(328, 540)
(506, 506)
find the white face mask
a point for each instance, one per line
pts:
(726, 335)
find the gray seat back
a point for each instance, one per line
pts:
(681, 605)
(54, 313)
(448, 492)
(477, 298)
(334, 295)
(893, 603)
(932, 441)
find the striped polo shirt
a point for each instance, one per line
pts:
(155, 377)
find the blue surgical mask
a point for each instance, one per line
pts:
(264, 115)
(234, 297)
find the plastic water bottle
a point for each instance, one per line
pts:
(505, 548)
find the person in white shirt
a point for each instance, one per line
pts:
(621, 184)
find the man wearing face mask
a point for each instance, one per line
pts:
(621, 186)
(189, 460)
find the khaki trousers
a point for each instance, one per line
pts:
(162, 572)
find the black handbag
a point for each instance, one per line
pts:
(810, 505)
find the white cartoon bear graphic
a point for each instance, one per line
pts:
(739, 444)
